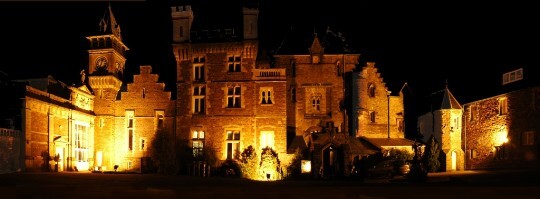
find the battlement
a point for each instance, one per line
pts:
(179, 11)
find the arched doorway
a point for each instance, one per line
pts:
(332, 161)
(454, 160)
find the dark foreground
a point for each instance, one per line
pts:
(470, 184)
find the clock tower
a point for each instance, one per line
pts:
(106, 61)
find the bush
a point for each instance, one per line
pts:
(230, 168)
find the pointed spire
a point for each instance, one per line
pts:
(108, 23)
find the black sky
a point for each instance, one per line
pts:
(424, 43)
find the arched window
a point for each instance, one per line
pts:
(371, 90)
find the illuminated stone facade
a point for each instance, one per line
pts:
(502, 131)
(226, 101)
(57, 126)
(444, 123)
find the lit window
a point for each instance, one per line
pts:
(233, 144)
(198, 68)
(234, 63)
(371, 90)
(199, 93)
(130, 128)
(503, 106)
(267, 139)
(197, 143)
(527, 138)
(266, 96)
(233, 97)
(81, 142)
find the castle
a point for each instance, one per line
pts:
(321, 104)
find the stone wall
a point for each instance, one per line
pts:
(494, 140)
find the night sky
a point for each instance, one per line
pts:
(425, 44)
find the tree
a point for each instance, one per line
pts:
(249, 163)
(431, 156)
(270, 168)
(400, 155)
(163, 153)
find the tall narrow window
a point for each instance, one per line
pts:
(81, 142)
(130, 128)
(233, 143)
(198, 68)
(266, 95)
(143, 144)
(400, 126)
(473, 112)
(316, 103)
(503, 106)
(339, 68)
(144, 93)
(372, 116)
(197, 143)
(160, 121)
(233, 97)
(234, 63)
(199, 93)
(371, 90)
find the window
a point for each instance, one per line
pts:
(198, 68)
(233, 143)
(512, 76)
(316, 103)
(473, 112)
(130, 128)
(456, 123)
(266, 96)
(234, 63)
(159, 119)
(81, 142)
(473, 154)
(267, 139)
(527, 138)
(233, 97)
(315, 59)
(371, 90)
(503, 106)
(199, 93)
(101, 122)
(197, 143)
(399, 122)
(144, 93)
(372, 116)
(143, 144)
(339, 68)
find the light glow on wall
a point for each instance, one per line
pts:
(306, 166)
(500, 138)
